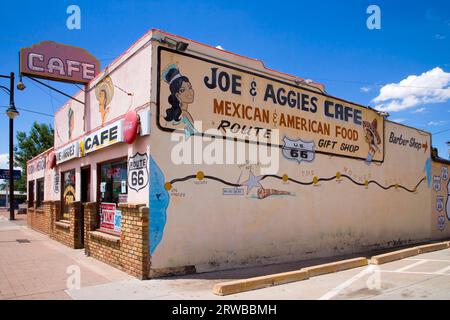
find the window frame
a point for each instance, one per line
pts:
(40, 202)
(31, 193)
(65, 215)
(98, 193)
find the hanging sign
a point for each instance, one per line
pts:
(131, 126)
(58, 62)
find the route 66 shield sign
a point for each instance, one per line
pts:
(138, 171)
(298, 150)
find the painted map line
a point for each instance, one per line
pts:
(200, 176)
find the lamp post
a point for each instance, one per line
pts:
(11, 113)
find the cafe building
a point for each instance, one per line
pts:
(179, 157)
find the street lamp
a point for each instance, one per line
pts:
(11, 113)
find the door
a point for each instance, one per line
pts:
(85, 196)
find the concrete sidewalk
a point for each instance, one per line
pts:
(32, 266)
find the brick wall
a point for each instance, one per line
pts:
(40, 219)
(67, 231)
(130, 251)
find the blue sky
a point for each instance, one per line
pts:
(326, 41)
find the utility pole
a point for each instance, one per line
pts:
(11, 113)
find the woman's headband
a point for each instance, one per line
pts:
(175, 77)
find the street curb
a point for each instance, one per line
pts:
(401, 254)
(433, 247)
(336, 266)
(395, 255)
(231, 287)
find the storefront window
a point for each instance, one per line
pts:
(30, 194)
(39, 193)
(113, 190)
(68, 194)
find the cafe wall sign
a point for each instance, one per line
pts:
(68, 152)
(104, 137)
(237, 101)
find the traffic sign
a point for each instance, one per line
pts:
(4, 174)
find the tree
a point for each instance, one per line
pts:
(39, 139)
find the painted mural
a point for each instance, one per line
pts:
(158, 202)
(250, 106)
(104, 93)
(71, 122)
(440, 194)
(181, 96)
(299, 178)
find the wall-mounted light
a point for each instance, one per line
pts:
(179, 45)
(303, 81)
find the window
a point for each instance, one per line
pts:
(39, 193)
(68, 194)
(112, 191)
(30, 194)
(113, 182)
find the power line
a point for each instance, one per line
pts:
(379, 84)
(442, 131)
(31, 111)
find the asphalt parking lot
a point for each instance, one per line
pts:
(425, 276)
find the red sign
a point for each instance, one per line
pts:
(107, 213)
(51, 161)
(56, 61)
(130, 127)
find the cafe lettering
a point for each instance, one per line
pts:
(104, 137)
(250, 106)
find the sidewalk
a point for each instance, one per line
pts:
(32, 266)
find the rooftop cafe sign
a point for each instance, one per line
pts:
(59, 62)
(235, 102)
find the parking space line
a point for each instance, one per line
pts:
(432, 260)
(416, 272)
(335, 291)
(443, 270)
(418, 263)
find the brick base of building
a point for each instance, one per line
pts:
(128, 252)
(40, 218)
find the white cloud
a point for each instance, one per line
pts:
(420, 110)
(437, 123)
(220, 47)
(4, 163)
(365, 89)
(399, 120)
(429, 87)
(440, 37)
